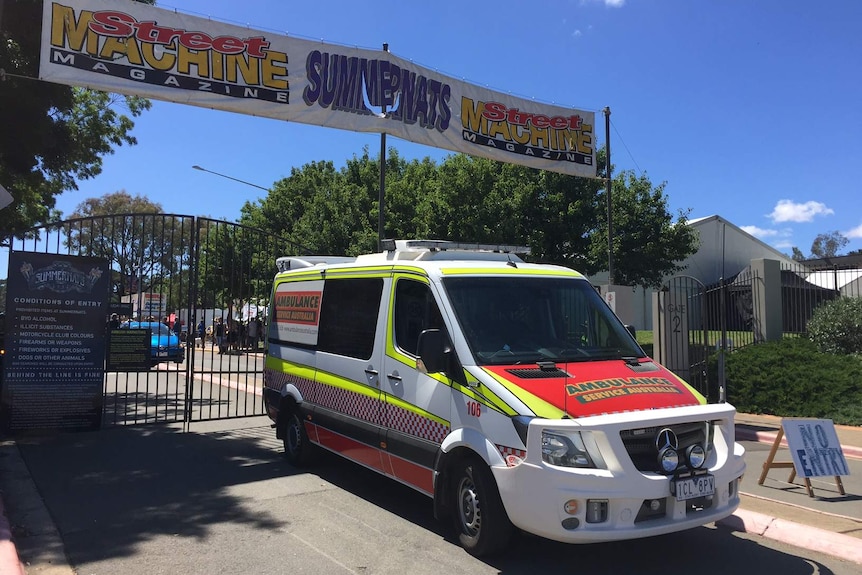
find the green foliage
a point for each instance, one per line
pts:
(647, 240)
(791, 378)
(836, 326)
(143, 246)
(52, 134)
(562, 218)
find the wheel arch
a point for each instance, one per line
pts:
(459, 444)
(290, 398)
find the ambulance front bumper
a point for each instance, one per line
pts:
(619, 501)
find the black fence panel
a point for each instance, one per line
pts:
(731, 308)
(234, 273)
(805, 288)
(183, 272)
(149, 257)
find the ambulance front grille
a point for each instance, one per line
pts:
(640, 443)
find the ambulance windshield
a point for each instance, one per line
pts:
(517, 320)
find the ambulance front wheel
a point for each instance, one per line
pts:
(481, 522)
(297, 447)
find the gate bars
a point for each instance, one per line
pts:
(180, 270)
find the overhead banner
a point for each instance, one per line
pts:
(132, 48)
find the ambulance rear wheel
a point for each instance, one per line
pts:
(481, 522)
(297, 447)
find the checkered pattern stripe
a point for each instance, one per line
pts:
(348, 402)
(414, 424)
(363, 407)
(504, 451)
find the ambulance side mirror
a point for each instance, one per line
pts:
(432, 348)
(437, 356)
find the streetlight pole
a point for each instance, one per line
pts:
(230, 178)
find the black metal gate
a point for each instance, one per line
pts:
(183, 271)
(686, 335)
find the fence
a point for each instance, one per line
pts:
(766, 301)
(175, 268)
(805, 288)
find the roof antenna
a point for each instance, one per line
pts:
(510, 261)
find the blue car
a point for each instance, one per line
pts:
(164, 343)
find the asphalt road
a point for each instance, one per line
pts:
(219, 499)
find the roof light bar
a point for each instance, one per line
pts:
(443, 245)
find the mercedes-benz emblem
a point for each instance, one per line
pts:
(666, 438)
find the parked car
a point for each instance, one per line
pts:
(164, 343)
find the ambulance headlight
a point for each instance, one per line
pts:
(570, 449)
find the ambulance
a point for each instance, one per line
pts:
(506, 391)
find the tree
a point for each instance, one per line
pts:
(827, 245)
(52, 134)
(562, 218)
(148, 250)
(648, 243)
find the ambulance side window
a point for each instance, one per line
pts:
(415, 311)
(348, 316)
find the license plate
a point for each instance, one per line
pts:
(692, 487)
(161, 354)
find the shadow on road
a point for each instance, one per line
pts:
(112, 490)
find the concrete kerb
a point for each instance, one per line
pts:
(795, 534)
(789, 532)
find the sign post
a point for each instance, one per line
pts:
(815, 450)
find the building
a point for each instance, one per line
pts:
(725, 250)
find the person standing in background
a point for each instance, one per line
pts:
(253, 333)
(219, 335)
(201, 332)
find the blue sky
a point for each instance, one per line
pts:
(751, 110)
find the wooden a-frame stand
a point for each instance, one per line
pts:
(770, 463)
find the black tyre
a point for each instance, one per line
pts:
(297, 447)
(481, 522)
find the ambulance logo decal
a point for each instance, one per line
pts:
(590, 391)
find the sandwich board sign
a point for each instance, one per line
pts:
(814, 448)
(815, 451)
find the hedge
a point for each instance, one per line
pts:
(792, 378)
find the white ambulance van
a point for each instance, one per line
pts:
(508, 392)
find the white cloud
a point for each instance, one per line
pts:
(855, 233)
(759, 232)
(783, 245)
(609, 3)
(577, 33)
(790, 211)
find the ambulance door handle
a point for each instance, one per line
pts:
(371, 372)
(394, 375)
